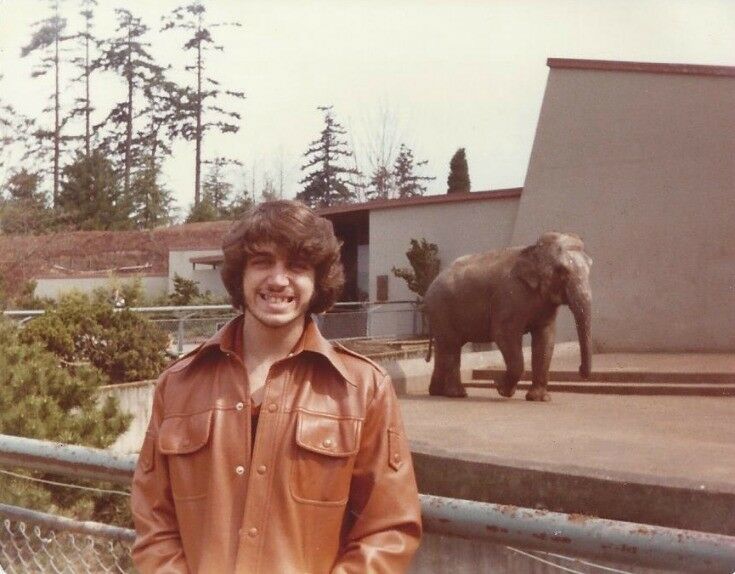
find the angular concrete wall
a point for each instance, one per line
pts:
(641, 165)
(457, 228)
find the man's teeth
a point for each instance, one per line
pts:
(276, 298)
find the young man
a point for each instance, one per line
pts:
(269, 449)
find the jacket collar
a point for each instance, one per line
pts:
(311, 341)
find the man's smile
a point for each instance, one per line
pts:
(274, 299)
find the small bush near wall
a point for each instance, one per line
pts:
(40, 400)
(121, 344)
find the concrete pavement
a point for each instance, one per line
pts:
(666, 460)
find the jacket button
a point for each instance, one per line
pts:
(327, 443)
(240, 470)
(253, 532)
(240, 406)
(273, 407)
(261, 469)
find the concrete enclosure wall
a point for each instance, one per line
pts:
(457, 228)
(153, 286)
(640, 164)
(206, 276)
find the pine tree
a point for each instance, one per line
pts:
(48, 37)
(216, 187)
(24, 208)
(406, 182)
(90, 197)
(127, 55)
(459, 174)
(152, 203)
(381, 184)
(85, 64)
(203, 112)
(328, 183)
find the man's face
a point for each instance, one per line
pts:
(277, 290)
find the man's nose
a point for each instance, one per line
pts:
(279, 275)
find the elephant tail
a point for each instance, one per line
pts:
(428, 352)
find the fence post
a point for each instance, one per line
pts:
(180, 346)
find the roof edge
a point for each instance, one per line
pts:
(377, 204)
(646, 67)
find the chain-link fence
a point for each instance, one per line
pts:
(189, 327)
(34, 542)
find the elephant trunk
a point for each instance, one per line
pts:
(579, 297)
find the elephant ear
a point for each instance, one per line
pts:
(526, 269)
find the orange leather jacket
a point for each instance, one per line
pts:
(328, 487)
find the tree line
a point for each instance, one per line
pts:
(73, 173)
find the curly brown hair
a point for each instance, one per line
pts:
(302, 234)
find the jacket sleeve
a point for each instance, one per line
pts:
(157, 546)
(384, 513)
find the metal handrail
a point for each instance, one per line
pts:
(640, 544)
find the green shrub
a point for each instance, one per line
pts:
(38, 399)
(120, 343)
(425, 265)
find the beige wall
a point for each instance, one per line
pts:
(457, 228)
(153, 286)
(207, 277)
(641, 166)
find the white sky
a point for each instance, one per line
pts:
(452, 73)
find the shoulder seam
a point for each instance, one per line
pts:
(342, 348)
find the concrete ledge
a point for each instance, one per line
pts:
(628, 497)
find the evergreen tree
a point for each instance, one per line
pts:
(85, 64)
(459, 174)
(47, 38)
(381, 184)
(216, 187)
(204, 112)
(152, 204)
(24, 209)
(202, 211)
(127, 55)
(90, 197)
(328, 183)
(406, 182)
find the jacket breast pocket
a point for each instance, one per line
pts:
(183, 439)
(324, 455)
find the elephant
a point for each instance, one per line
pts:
(499, 295)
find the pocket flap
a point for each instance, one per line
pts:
(184, 434)
(329, 435)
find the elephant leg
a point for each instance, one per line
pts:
(542, 349)
(445, 379)
(510, 347)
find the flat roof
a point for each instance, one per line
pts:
(646, 67)
(378, 204)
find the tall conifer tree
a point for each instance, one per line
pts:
(328, 183)
(459, 174)
(205, 111)
(47, 38)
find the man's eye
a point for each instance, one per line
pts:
(300, 265)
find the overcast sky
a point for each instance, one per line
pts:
(449, 73)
